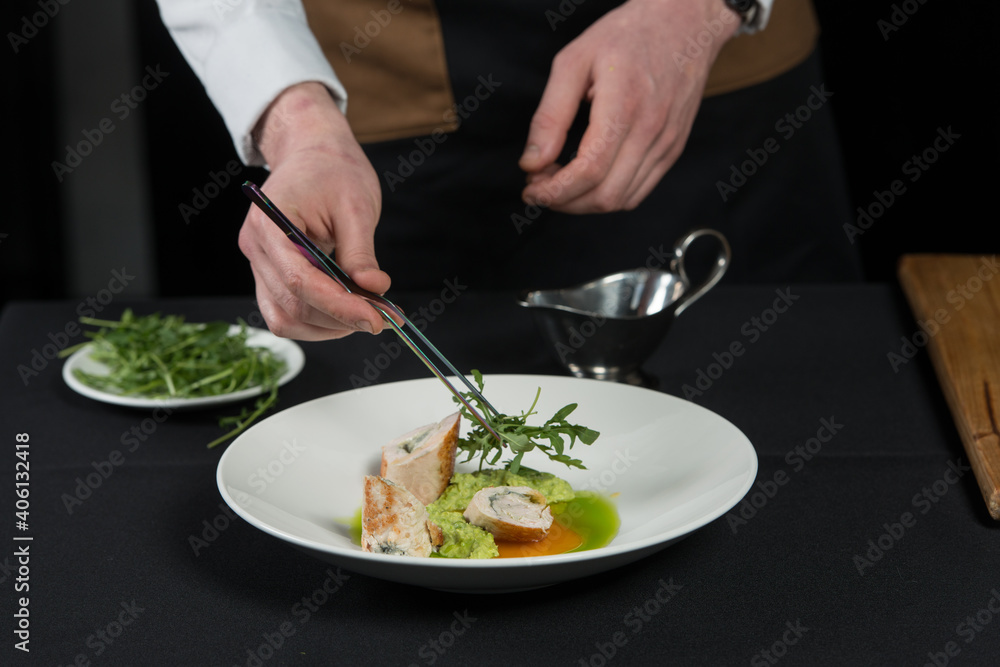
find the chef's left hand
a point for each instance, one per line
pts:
(633, 66)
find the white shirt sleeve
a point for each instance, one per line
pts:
(246, 52)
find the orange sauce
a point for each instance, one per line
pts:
(559, 540)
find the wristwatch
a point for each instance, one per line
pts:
(747, 10)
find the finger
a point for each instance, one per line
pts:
(668, 148)
(646, 186)
(538, 176)
(299, 290)
(651, 175)
(284, 325)
(314, 297)
(569, 80)
(601, 151)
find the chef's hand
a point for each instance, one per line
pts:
(323, 182)
(644, 90)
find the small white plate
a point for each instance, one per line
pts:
(284, 348)
(671, 466)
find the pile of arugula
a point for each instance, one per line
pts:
(515, 433)
(156, 356)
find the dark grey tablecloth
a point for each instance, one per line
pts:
(867, 541)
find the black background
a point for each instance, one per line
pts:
(892, 91)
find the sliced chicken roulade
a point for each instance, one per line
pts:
(515, 513)
(423, 460)
(394, 522)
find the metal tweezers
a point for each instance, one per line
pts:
(377, 301)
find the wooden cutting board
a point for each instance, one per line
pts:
(956, 302)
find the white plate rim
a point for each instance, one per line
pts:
(288, 350)
(436, 564)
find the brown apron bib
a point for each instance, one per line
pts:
(389, 54)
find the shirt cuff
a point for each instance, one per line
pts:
(245, 61)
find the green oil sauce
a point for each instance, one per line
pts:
(354, 525)
(591, 516)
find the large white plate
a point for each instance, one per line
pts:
(285, 349)
(672, 465)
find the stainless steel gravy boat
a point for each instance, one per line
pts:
(608, 327)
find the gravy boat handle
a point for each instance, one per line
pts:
(714, 276)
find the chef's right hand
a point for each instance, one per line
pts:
(323, 182)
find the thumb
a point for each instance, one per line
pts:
(355, 252)
(358, 260)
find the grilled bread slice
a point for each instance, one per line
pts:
(394, 522)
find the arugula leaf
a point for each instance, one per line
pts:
(157, 356)
(518, 436)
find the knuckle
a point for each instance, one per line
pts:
(653, 124)
(592, 169)
(292, 279)
(292, 309)
(543, 121)
(670, 136)
(606, 200)
(564, 58)
(358, 210)
(289, 301)
(356, 257)
(276, 321)
(245, 241)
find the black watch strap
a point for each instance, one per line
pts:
(747, 9)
